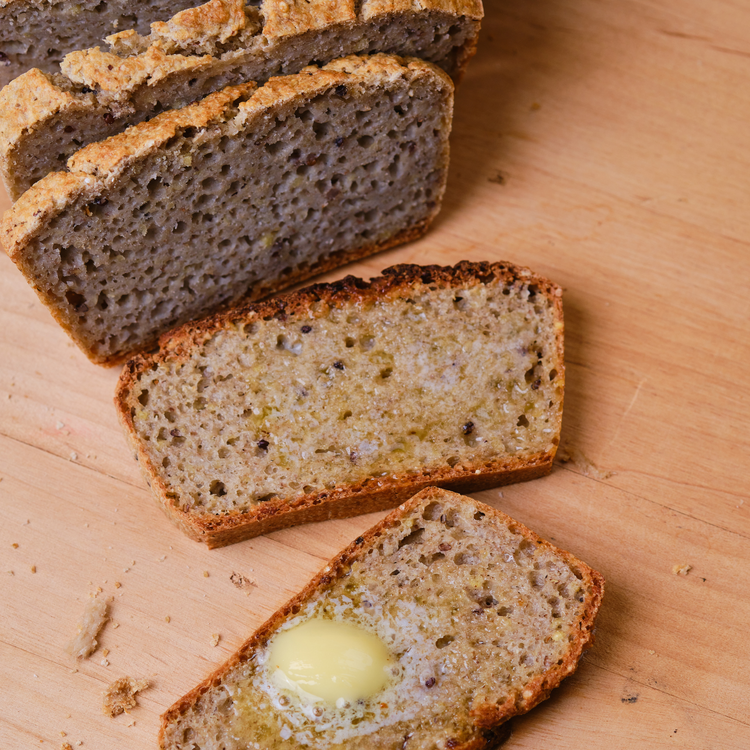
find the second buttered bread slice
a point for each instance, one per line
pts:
(478, 618)
(244, 193)
(346, 398)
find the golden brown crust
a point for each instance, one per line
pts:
(468, 8)
(216, 19)
(487, 718)
(106, 159)
(370, 494)
(290, 17)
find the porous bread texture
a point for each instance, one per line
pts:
(241, 194)
(481, 616)
(39, 33)
(45, 119)
(349, 397)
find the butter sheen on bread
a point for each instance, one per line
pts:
(482, 617)
(349, 397)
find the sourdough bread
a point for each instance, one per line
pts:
(241, 194)
(44, 120)
(483, 619)
(39, 33)
(346, 398)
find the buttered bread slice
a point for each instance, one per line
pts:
(350, 397)
(244, 193)
(442, 622)
(45, 119)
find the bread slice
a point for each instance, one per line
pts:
(243, 193)
(38, 33)
(350, 397)
(44, 120)
(481, 616)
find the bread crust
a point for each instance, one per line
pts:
(488, 718)
(371, 494)
(33, 101)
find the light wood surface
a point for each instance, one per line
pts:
(604, 144)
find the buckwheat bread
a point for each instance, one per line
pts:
(45, 119)
(482, 618)
(244, 193)
(38, 33)
(349, 397)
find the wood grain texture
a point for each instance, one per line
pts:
(603, 144)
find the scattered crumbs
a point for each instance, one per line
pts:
(162, 558)
(33, 568)
(79, 743)
(535, 106)
(630, 698)
(94, 617)
(117, 584)
(120, 695)
(105, 652)
(741, 503)
(10, 572)
(215, 638)
(27, 521)
(66, 746)
(131, 723)
(73, 671)
(205, 572)
(588, 468)
(681, 570)
(14, 545)
(104, 662)
(60, 425)
(126, 570)
(73, 456)
(167, 618)
(499, 178)
(85, 526)
(651, 651)
(242, 583)
(36, 675)
(133, 563)
(115, 625)
(63, 734)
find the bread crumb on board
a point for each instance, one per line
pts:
(242, 583)
(94, 617)
(681, 570)
(119, 697)
(588, 468)
(215, 638)
(66, 746)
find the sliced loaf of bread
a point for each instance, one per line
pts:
(244, 193)
(39, 33)
(44, 120)
(349, 397)
(481, 618)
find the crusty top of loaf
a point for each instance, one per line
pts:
(96, 166)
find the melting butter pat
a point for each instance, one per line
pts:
(329, 660)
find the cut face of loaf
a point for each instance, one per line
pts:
(44, 120)
(347, 398)
(241, 194)
(39, 33)
(482, 619)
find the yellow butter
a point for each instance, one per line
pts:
(328, 660)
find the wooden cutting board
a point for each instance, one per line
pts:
(602, 143)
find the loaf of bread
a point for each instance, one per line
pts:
(39, 33)
(243, 193)
(481, 619)
(44, 120)
(350, 397)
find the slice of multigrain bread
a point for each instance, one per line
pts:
(44, 120)
(241, 194)
(38, 33)
(349, 397)
(481, 617)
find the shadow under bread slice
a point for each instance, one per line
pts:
(243, 193)
(44, 119)
(346, 398)
(468, 616)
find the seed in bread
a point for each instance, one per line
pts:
(243, 193)
(482, 620)
(349, 397)
(44, 119)
(39, 33)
